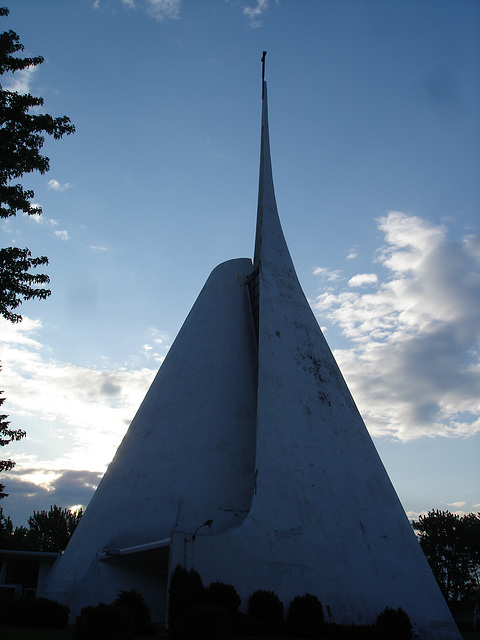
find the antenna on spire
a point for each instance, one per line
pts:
(263, 71)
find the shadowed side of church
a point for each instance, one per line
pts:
(249, 462)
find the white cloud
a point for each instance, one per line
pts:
(61, 234)
(363, 278)
(41, 219)
(413, 365)
(158, 347)
(54, 185)
(94, 247)
(158, 9)
(76, 415)
(254, 13)
(459, 504)
(21, 81)
(327, 274)
(163, 9)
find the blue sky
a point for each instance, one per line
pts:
(375, 138)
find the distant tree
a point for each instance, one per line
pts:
(451, 544)
(21, 139)
(51, 530)
(10, 537)
(7, 436)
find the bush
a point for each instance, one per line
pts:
(104, 622)
(42, 613)
(133, 602)
(186, 590)
(265, 606)
(306, 613)
(204, 622)
(394, 624)
(225, 596)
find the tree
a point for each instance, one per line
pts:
(21, 132)
(21, 139)
(51, 530)
(7, 435)
(47, 530)
(11, 538)
(451, 544)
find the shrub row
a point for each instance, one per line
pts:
(199, 613)
(36, 612)
(124, 618)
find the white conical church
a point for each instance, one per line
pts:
(249, 461)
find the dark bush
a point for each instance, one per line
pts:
(204, 622)
(225, 596)
(186, 590)
(265, 606)
(306, 613)
(104, 622)
(394, 624)
(135, 604)
(42, 613)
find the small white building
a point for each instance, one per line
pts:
(249, 461)
(23, 574)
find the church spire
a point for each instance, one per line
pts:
(270, 245)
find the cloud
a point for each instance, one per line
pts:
(73, 413)
(62, 234)
(413, 362)
(40, 219)
(54, 185)
(254, 13)
(75, 418)
(157, 346)
(38, 489)
(94, 247)
(163, 9)
(459, 504)
(158, 9)
(363, 278)
(21, 81)
(326, 274)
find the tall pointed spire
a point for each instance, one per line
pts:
(268, 223)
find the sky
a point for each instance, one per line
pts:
(375, 141)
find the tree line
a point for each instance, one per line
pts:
(451, 544)
(47, 530)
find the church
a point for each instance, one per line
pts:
(249, 461)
